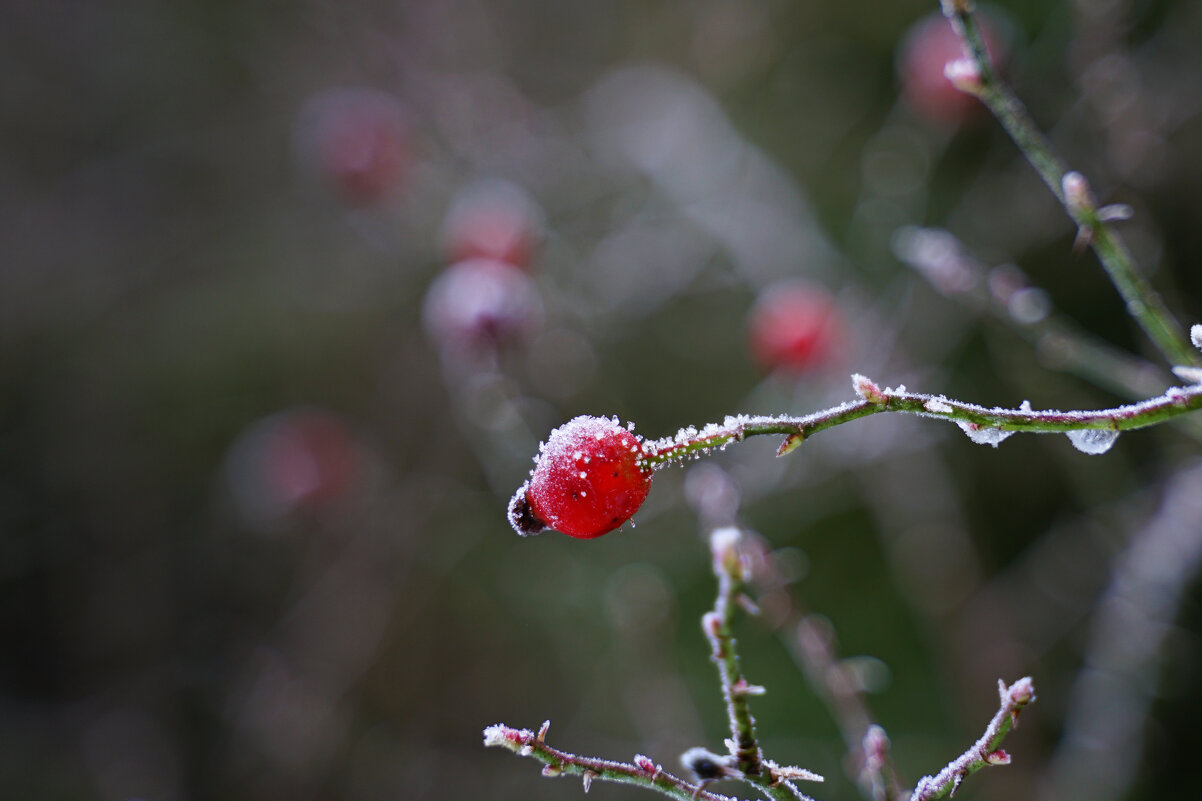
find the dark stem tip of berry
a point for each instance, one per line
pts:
(521, 515)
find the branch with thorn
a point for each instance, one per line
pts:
(985, 751)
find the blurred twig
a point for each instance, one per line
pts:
(1070, 188)
(730, 568)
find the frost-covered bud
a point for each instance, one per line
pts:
(724, 544)
(1077, 194)
(964, 75)
(705, 765)
(927, 51)
(1195, 336)
(998, 757)
(868, 389)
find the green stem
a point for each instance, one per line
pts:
(692, 442)
(730, 570)
(1144, 304)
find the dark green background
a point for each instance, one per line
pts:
(170, 274)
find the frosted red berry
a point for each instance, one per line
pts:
(794, 327)
(927, 48)
(493, 219)
(589, 479)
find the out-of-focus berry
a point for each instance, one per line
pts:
(493, 219)
(358, 143)
(925, 51)
(794, 327)
(588, 480)
(481, 304)
(295, 462)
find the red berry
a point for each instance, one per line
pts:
(589, 479)
(481, 304)
(296, 462)
(794, 327)
(926, 49)
(493, 219)
(357, 141)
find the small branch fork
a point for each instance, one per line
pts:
(746, 761)
(985, 751)
(692, 443)
(975, 75)
(731, 570)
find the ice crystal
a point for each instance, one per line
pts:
(983, 435)
(938, 406)
(1093, 440)
(1195, 336)
(1192, 375)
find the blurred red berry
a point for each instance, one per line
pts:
(358, 143)
(493, 219)
(481, 303)
(794, 328)
(588, 480)
(295, 462)
(925, 51)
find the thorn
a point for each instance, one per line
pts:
(955, 784)
(791, 443)
(743, 687)
(1083, 238)
(747, 605)
(542, 731)
(1115, 212)
(587, 778)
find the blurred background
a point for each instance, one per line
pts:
(290, 293)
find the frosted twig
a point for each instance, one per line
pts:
(642, 772)
(813, 645)
(1072, 190)
(983, 425)
(731, 570)
(986, 750)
